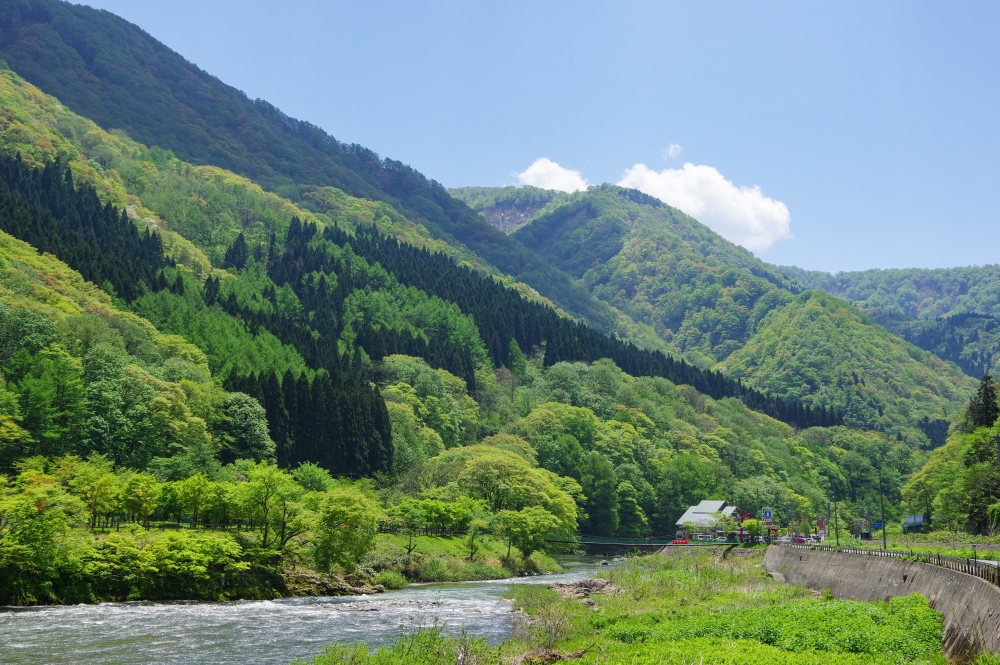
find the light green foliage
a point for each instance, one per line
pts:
(229, 347)
(434, 558)
(91, 377)
(272, 498)
(140, 496)
(675, 447)
(346, 527)
(754, 527)
(390, 579)
(312, 477)
(960, 482)
(524, 528)
(53, 397)
(915, 292)
(514, 444)
(476, 528)
(388, 305)
(35, 512)
(505, 481)
(698, 293)
(247, 428)
(822, 351)
(46, 556)
(194, 493)
(430, 409)
(945, 311)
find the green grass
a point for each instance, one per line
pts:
(698, 609)
(446, 559)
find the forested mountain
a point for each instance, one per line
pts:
(947, 311)
(821, 350)
(115, 74)
(916, 292)
(701, 293)
(213, 310)
(82, 375)
(347, 420)
(718, 305)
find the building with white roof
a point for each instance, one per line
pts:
(704, 513)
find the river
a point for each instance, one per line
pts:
(257, 632)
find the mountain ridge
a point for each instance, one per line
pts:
(715, 303)
(114, 73)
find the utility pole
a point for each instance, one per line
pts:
(881, 503)
(826, 531)
(836, 520)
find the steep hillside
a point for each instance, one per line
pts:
(45, 207)
(83, 375)
(820, 349)
(710, 300)
(700, 293)
(112, 72)
(947, 311)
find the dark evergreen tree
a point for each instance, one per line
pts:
(44, 208)
(236, 255)
(983, 409)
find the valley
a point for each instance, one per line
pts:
(245, 365)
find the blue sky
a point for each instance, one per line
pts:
(870, 129)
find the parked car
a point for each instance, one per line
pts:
(720, 539)
(799, 539)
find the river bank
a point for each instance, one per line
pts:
(270, 632)
(135, 564)
(689, 606)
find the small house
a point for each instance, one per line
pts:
(703, 517)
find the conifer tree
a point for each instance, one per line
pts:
(983, 409)
(236, 255)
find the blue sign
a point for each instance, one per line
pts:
(768, 514)
(877, 526)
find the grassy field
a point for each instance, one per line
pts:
(446, 559)
(686, 608)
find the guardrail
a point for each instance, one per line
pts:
(599, 540)
(987, 571)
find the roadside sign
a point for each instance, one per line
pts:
(876, 526)
(822, 524)
(768, 516)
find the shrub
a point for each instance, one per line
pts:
(390, 579)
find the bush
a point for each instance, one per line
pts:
(390, 579)
(433, 570)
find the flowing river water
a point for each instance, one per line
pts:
(257, 632)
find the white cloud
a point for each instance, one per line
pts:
(547, 174)
(740, 214)
(672, 151)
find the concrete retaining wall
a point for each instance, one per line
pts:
(970, 606)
